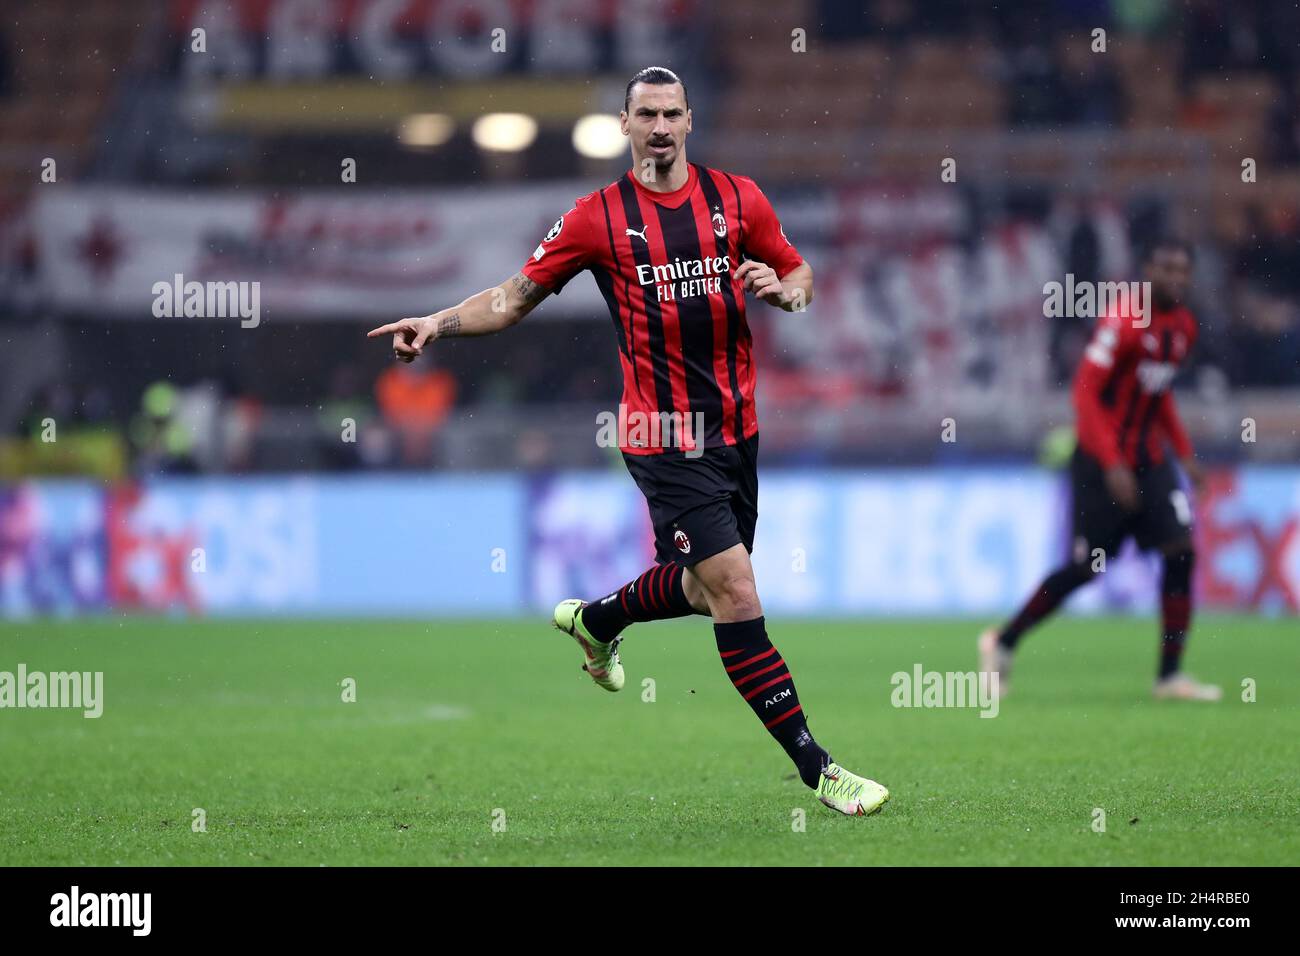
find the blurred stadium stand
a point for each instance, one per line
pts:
(929, 293)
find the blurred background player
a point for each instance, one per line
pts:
(1122, 479)
(665, 244)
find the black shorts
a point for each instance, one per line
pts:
(1163, 516)
(700, 506)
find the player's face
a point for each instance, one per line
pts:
(1170, 274)
(657, 122)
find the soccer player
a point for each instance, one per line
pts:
(1123, 481)
(674, 247)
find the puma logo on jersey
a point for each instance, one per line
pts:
(640, 235)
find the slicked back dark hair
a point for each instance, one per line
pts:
(1169, 244)
(655, 76)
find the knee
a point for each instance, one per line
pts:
(736, 597)
(696, 596)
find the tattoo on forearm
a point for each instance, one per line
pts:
(449, 325)
(527, 289)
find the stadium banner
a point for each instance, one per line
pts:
(292, 40)
(288, 545)
(169, 256)
(905, 294)
(894, 259)
(907, 542)
(836, 543)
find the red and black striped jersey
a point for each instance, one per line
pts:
(665, 263)
(1122, 396)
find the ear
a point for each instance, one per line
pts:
(622, 122)
(688, 121)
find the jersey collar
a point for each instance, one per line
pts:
(673, 199)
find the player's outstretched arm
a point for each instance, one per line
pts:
(792, 292)
(489, 311)
(797, 288)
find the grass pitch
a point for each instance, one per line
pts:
(460, 725)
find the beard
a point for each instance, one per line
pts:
(664, 162)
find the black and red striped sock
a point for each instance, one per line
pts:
(1056, 587)
(1175, 609)
(760, 675)
(656, 595)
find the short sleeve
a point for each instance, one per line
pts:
(563, 252)
(1113, 336)
(763, 237)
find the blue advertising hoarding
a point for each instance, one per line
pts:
(839, 542)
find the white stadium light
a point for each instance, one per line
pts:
(505, 132)
(425, 129)
(599, 136)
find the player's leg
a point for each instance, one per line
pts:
(695, 592)
(713, 538)
(762, 678)
(673, 486)
(1045, 600)
(1167, 525)
(997, 646)
(663, 592)
(1100, 526)
(754, 666)
(1178, 561)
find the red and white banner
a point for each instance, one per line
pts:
(314, 255)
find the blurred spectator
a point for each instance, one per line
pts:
(1265, 327)
(1037, 94)
(346, 442)
(1211, 33)
(65, 432)
(1092, 90)
(227, 415)
(1266, 338)
(55, 403)
(1070, 332)
(414, 400)
(163, 445)
(1270, 257)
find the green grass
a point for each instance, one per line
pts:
(454, 720)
